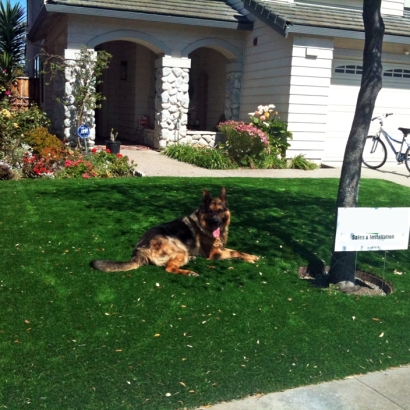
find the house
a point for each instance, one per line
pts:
(180, 66)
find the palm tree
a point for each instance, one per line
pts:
(12, 42)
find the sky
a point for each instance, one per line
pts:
(13, 2)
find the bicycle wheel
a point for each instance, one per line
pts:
(374, 153)
(407, 158)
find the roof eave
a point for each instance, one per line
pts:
(272, 19)
(351, 34)
(130, 15)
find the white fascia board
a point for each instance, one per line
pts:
(89, 11)
(332, 32)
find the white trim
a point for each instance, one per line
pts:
(146, 40)
(223, 46)
(173, 62)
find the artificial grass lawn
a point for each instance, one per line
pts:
(74, 338)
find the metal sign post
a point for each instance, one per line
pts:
(84, 132)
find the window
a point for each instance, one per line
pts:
(397, 73)
(349, 69)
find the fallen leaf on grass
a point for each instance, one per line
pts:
(397, 272)
(376, 319)
(182, 384)
(157, 335)
(381, 334)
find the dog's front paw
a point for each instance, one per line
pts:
(251, 258)
(193, 274)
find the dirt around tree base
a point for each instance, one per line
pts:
(365, 283)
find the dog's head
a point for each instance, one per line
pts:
(214, 215)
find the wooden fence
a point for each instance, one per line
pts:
(24, 92)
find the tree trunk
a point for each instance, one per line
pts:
(342, 267)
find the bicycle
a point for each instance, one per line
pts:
(375, 152)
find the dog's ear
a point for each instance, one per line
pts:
(206, 197)
(222, 196)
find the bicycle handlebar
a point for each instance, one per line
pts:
(380, 117)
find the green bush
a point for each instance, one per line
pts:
(98, 164)
(245, 144)
(300, 162)
(269, 122)
(14, 126)
(201, 156)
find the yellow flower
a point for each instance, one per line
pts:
(266, 114)
(15, 125)
(6, 113)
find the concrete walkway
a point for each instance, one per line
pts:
(385, 390)
(152, 163)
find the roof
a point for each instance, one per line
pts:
(217, 10)
(283, 17)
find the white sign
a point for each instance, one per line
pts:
(372, 229)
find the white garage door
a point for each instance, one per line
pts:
(394, 98)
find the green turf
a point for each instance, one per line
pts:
(74, 338)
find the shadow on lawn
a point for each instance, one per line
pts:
(271, 218)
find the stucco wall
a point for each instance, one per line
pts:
(162, 38)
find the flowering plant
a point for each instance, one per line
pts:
(268, 120)
(14, 128)
(35, 166)
(245, 143)
(100, 164)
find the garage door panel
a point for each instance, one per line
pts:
(393, 98)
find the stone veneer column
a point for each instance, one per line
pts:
(70, 119)
(171, 100)
(233, 91)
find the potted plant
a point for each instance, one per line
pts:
(113, 144)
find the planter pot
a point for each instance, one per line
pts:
(113, 146)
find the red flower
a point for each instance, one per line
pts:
(119, 156)
(94, 149)
(107, 150)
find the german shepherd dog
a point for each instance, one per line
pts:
(203, 233)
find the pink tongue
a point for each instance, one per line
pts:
(216, 232)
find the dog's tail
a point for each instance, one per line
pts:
(114, 266)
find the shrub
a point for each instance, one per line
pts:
(35, 166)
(44, 143)
(245, 143)
(300, 162)
(5, 172)
(99, 164)
(201, 156)
(269, 122)
(13, 127)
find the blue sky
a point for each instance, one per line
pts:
(13, 2)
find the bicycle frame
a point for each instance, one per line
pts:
(389, 140)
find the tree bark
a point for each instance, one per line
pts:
(342, 266)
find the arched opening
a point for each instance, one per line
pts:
(207, 89)
(128, 86)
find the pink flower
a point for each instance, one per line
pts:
(86, 176)
(7, 92)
